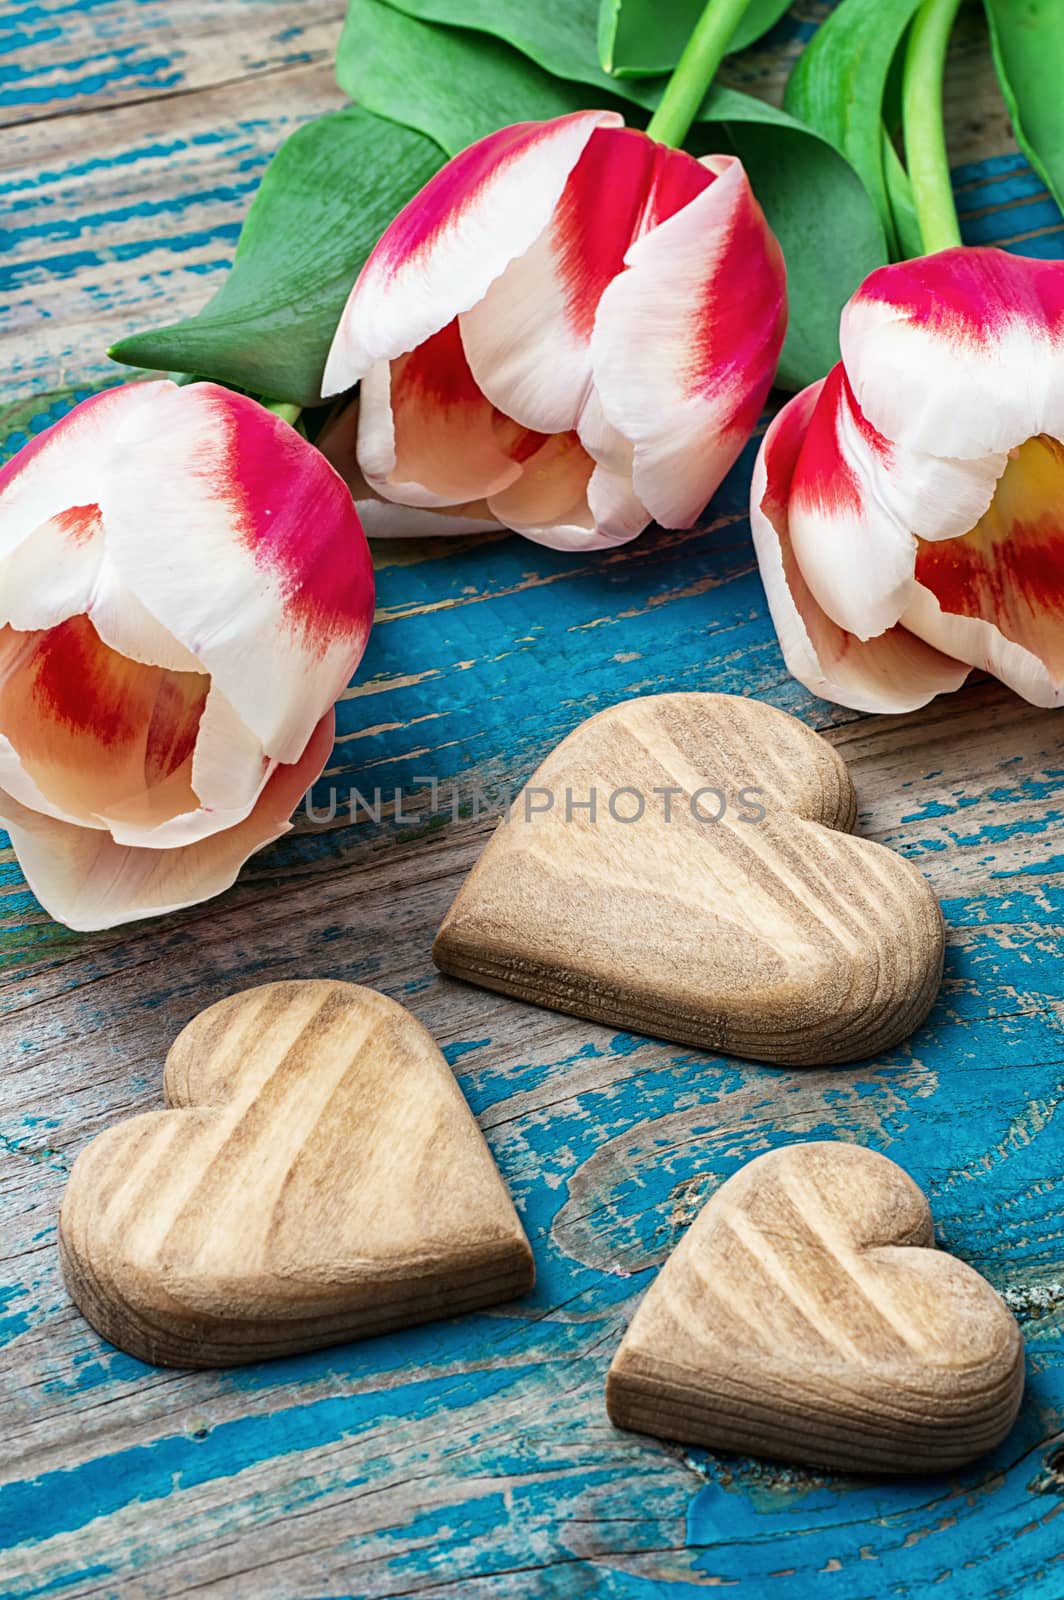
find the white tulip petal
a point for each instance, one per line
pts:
(528, 339)
(960, 353)
(59, 472)
(981, 644)
(893, 672)
(428, 437)
(484, 209)
(857, 503)
(382, 520)
(87, 881)
(686, 342)
(256, 562)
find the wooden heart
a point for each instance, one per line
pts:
(807, 1316)
(319, 1177)
(770, 933)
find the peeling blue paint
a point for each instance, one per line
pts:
(12, 1323)
(462, 1047)
(66, 1499)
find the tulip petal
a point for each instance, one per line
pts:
(981, 644)
(87, 881)
(383, 519)
(103, 735)
(891, 673)
(552, 487)
(484, 209)
(63, 570)
(229, 767)
(56, 476)
(150, 791)
(617, 514)
(125, 623)
(233, 491)
(55, 563)
(995, 597)
(20, 784)
(551, 503)
(228, 774)
(52, 573)
(959, 353)
(426, 434)
(686, 342)
(236, 493)
(529, 339)
(857, 501)
(93, 730)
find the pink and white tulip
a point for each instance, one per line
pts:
(570, 332)
(185, 589)
(908, 510)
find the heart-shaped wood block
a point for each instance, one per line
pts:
(806, 1315)
(714, 895)
(318, 1177)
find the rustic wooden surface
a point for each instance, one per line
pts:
(316, 1177)
(473, 1458)
(807, 1315)
(682, 866)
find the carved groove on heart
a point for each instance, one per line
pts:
(318, 1177)
(807, 1316)
(784, 940)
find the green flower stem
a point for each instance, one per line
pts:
(281, 408)
(695, 70)
(925, 135)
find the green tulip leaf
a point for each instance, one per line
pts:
(839, 85)
(450, 84)
(453, 85)
(645, 38)
(902, 207)
(558, 35)
(1028, 43)
(323, 203)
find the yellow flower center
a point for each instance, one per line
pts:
(1009, 569)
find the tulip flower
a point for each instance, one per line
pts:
(907, 509)
(570, 332)
(184, 591)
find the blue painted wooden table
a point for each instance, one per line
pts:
(473, 1458)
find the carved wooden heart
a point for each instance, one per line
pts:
(770, 933)
(319, 1177)
(807, 1316)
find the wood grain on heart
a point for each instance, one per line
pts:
(807, 1316)
(318, 1177)
(770, 933)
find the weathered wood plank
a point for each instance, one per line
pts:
(87, 56)
(609, 1143)
(137, 223)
